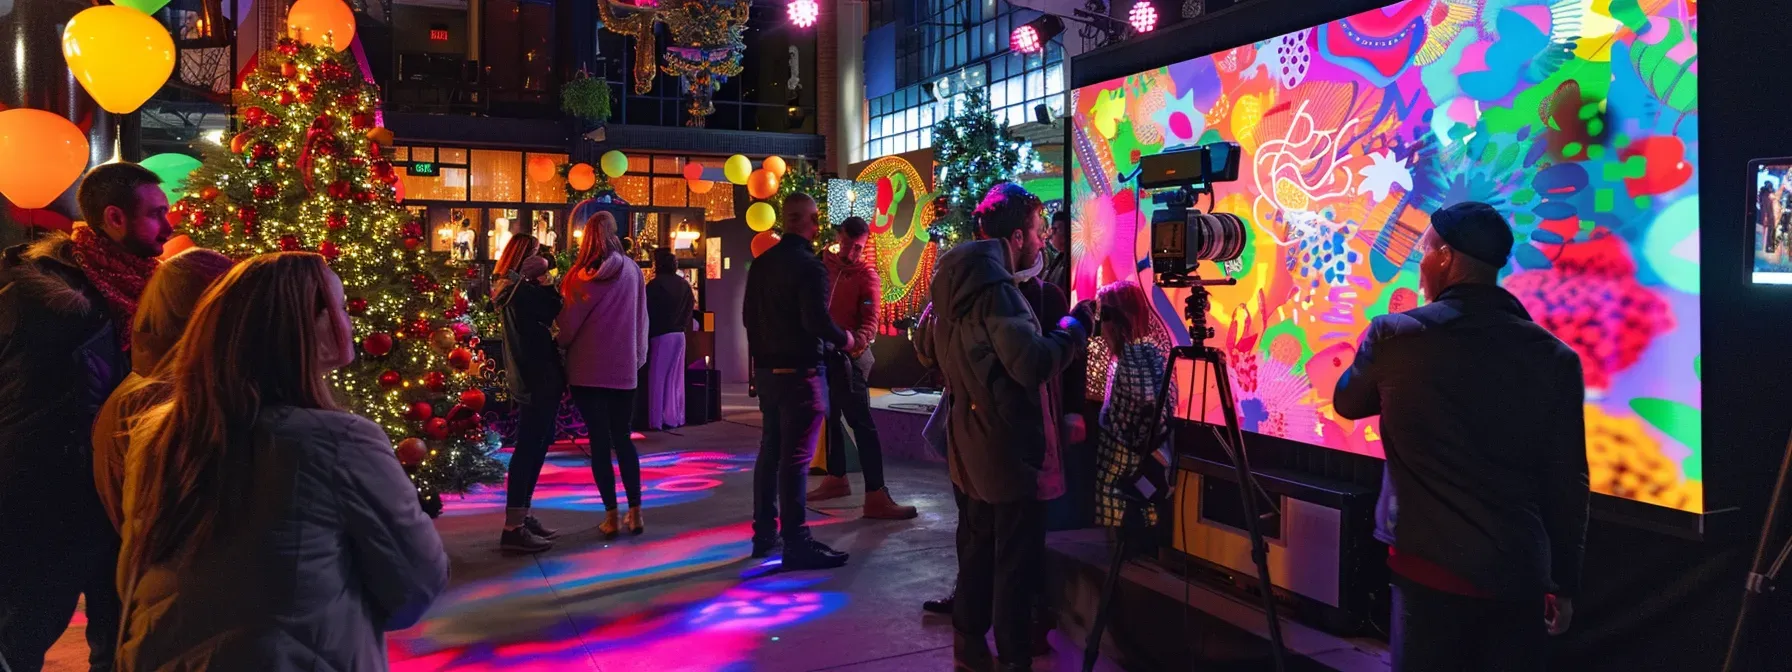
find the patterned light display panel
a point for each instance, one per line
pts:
(1577, 118)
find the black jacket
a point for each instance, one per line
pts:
(532, 361)
(670, 305)
(786, 308)
(59, 359)
(1482, 420)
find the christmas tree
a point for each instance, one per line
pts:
(306, 172)
(971, 153)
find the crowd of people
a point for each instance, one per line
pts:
(171, 450)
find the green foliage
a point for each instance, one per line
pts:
(307, 177)
(971, 153)
(587, 98)
(801, 177)
(601, 187)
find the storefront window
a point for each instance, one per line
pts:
(670, 191)
(546, 229)
(505, 222)
(496, 176)
(461, 225)
(633, 189)
(551, 190)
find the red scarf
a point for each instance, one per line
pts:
(119, 275)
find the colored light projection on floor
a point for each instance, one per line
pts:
(672, 604)
(668, 478)
(1577, 118)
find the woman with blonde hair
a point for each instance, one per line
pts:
(527, 304)
(604, 330)
(168, 301)
(1128, 432)
(264, 529)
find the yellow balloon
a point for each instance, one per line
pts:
(737, 169)
(761, 217)
(120, 55)
(776, 165)
(41, 154)
(322, 23)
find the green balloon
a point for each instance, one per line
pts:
(173, 169)
(614, 163)
(145, 6)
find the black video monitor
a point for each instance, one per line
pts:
(1770, 221)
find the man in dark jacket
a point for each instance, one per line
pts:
(789, 335)
(1057, 267)
(998, 365)
(66, 304)
(1486, 474)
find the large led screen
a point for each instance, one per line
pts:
(1577, 118)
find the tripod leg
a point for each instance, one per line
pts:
(1247, 491)
(1092, 646)
(1762, 569)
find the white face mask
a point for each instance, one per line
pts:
(1029, 274)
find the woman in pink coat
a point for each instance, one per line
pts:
(604, 331)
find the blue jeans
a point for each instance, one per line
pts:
(794, 407)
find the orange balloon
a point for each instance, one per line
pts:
(581, 176)
(776, 164)
(701, 186)
(41, 154)
(120, 55)
(175, 245)
(762, 242)
(322, 23)
(541, 169)
(763, 184)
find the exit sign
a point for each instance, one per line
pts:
(438, 34)
(424, 168)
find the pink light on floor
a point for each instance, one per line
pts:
(804, 12)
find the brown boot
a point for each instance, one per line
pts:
(610, 525)
(633, 521)
(879, 506)
(831, 487)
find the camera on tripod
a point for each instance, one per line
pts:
(1182, 236)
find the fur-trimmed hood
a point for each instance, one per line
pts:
(43, 274)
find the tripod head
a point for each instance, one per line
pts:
(1194, 308)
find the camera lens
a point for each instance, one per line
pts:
(1217, 237)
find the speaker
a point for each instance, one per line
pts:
(1324, 562)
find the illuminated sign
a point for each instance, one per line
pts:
(424, 168)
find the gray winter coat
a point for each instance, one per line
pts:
(336, 553)
(996, 361)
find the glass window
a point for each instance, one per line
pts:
(423, 153)
(1054, 79)
(457, 157)
(551, 190)
(639, 164)
(717, 204)
(670, 191)
(462, 228)
(913, 116)
(635, 189)
(667, 165)
(450, 184)
(401, 154)
(927, 138)
(1035, 84)
(504, 223)
(547, 228)
(497, 176)
(1016, 90)
(998, 95)
(877, 127)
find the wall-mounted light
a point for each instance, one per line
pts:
(1031, 37)
(1143, 16)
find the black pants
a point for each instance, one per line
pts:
(794, 406)
(851, 406)
(38, 593)
(1435, 631)
(534, 433)
(1000, 549)
(607, 413)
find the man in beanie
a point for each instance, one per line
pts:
(1484, 494)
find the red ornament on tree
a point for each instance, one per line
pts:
(363, 196)
(411, 452)
(286, 98)
(289, 243)
(434, 381)
(270, 121)
(340, 189)
(266, 190)
(361, 121)
(263, 150)
(357, 306)
(253, 115)
(198, 218)
(247, 215)
(436, 428)
(288, 47)
(461, 359)
(377, 344)
(461, 329)
(289, 69)
(208, 194)
(391, 380)
(419, 328)
(335, 221)
(329, 250)
(474, 399)
(413, 243)
(306, 92)
(418, 412)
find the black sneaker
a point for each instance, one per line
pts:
(942, 605)
(812, 554)
(765, 548)
(521, 540)
(535, 528)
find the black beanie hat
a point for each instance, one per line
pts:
(1475, 229)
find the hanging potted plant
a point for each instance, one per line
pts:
(586, 98)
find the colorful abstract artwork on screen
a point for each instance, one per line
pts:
(1577, 118)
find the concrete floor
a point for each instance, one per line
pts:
(685, 596)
